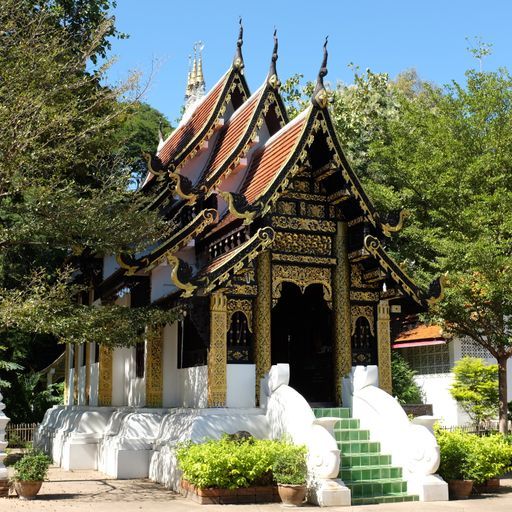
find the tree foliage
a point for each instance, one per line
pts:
(405, 388)
(475, 387)
(66, 179)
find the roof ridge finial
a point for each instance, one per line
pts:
(273, 80)
(238, 61)
(320, 97)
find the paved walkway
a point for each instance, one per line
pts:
(93, 491)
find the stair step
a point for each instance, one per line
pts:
(336, 412)
(358, 447)
(389, 498)
(351, 435)
(357, 473)
(346, 424)
(370, 488)
(365, 459)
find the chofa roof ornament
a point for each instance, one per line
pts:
(272, 79)
(320, 97)
(238, 61)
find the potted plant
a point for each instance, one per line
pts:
(468, 459)
(290, 472)
(455, 447)
(29, 473)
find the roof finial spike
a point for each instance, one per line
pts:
(273, 80)
(320, 97)
(238, 61)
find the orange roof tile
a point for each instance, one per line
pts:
(421, 333)
(270, 159)
(232, 134)
(185, 133)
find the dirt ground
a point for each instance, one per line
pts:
(92, 491)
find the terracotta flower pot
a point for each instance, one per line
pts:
(460, 489)
(27, 490)
(292, 495)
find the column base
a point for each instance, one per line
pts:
(330, 493)
(429, 488)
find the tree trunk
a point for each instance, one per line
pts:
(503, 399)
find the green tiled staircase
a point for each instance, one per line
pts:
(364, 470)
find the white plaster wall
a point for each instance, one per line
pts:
(193, 385)
(241, 385)
(193, 168)
(94, 383)
(161, 282)
(171, 392)
(136, 385)
(119, 382)
(110, 265)
(436, 389)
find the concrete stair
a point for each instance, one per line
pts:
(367, 472)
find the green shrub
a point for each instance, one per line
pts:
(471, 457)
(33, 466)
(405, 388)
(290, 466)
(454, 447)
(489, 457)
(230, 464)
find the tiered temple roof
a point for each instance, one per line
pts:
(218, 176)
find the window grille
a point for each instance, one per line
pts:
(428, 360)
(471, 348)
(239, 339)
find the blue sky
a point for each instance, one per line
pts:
(388, 36)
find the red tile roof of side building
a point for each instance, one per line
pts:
(421, 333)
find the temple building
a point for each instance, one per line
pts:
(276, 258)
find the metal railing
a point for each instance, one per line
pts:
(18, 435)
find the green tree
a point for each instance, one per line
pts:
(404, 385)
(139, 133)
(64, 181)
(475, 387)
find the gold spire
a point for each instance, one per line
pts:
(199, 73)
(190, 85)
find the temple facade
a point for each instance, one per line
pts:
(277, 269)
(276, 255)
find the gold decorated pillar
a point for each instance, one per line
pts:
(384, 345)
(262, 316)
(217, 355)
(154, 364)
(105, 376)
(341, 308)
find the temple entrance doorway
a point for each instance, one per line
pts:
(302, 337)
